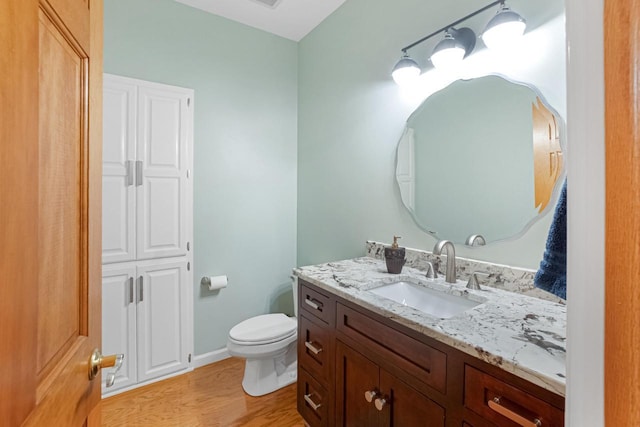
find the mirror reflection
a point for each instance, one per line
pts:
(481, 156)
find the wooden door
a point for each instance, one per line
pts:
(622, 295)
(162, 159)
(50, 209)
(407, 407)
(355, 375)
(162, 318)
(547, 154)
(118, 170)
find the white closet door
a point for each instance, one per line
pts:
(119, 322)
(118, 159)
(162, 151)
(162, 316)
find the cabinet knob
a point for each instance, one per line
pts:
(380, 403)
(370, 395)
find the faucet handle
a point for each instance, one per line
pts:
(431, 271)
(475, 238)
(473, 280)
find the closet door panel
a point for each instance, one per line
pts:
(119, 322)
(119, 153)
(161, 318)
(163, 163)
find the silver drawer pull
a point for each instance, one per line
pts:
(130, 290)
(128, 165)
(315, 406)
(314, 349)
(496, 405)
(313, 304)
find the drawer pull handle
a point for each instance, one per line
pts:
(496, 405)
(316, 305)
(315, 406)
(380, 404)
(315, 350)
(370, 395)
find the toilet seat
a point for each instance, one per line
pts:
(263, 329)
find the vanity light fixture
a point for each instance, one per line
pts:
(504, 28)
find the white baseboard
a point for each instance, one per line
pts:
(211, 357)
(109, 392)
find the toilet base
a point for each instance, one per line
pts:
(264, 376)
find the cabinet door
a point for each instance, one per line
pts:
(162, 318)
(355, 375)
(406, 407)
(119, 322)
(118, 159)
(164, 119)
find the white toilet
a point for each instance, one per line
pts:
(269, 343)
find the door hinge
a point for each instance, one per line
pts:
(188, 173)
(188, 246)
(189, 357)
(188, 266)
(188, 102)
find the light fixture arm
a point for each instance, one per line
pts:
(453, 24)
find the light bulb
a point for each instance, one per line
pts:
(504, 30)
(406, 71)
(448, 53)
(448, 59)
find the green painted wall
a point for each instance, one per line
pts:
(351, 116)
(312, 125)
(245, 84)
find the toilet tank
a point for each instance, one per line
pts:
(294, 284)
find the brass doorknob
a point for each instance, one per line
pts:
(97, 361)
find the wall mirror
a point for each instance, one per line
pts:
(481, 156)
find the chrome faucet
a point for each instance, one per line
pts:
(450, 275)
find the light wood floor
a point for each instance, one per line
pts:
(210, 396)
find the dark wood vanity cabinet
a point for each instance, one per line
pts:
(356, 368)
(386, 400)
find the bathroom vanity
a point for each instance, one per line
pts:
(365, 360)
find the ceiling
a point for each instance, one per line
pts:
(291, 19)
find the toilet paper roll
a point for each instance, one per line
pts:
(214, 282)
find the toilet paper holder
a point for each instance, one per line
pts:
(214, 283)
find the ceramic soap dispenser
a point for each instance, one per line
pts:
(394, 256)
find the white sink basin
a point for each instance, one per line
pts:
(433, 302)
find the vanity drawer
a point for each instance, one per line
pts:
(411, 357)
(313, 400)
(315, 303)
(505, 405)
(315, 350)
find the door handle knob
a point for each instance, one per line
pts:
(97, 361)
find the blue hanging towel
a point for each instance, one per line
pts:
(552, 275)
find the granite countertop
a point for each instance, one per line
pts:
(523, 335)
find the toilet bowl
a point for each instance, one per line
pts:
(269, 344)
